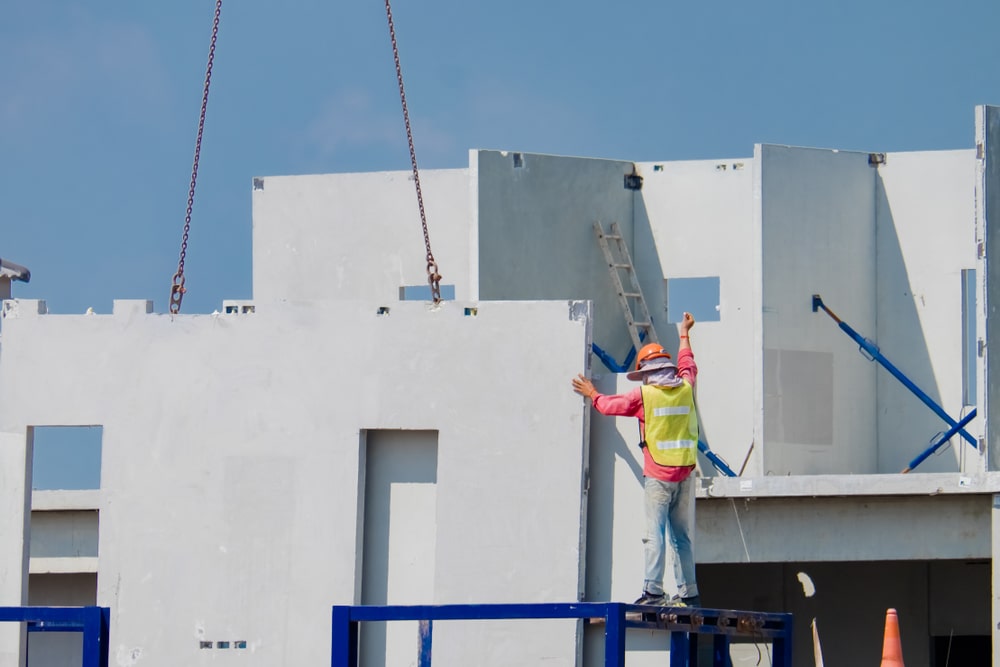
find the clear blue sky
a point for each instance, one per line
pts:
(99, 105)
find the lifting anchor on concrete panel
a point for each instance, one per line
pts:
(869, 349)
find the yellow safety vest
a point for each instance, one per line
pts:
(671, 424)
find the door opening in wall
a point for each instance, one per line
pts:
(62, 543)
(397, 520)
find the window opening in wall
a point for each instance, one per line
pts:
(969, 351)
(423, 293)
(698, 296)
(66, 457)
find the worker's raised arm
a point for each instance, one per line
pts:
(686, 325)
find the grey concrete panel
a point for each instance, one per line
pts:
(817, 231)
(798, 409)
(732, 530)
(230, 488)
(358, 236)
(925, 238)
(988, 136)
(536, 236)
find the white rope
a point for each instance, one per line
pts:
(740, 526)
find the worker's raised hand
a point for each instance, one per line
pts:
(687, 323)
(584, 387)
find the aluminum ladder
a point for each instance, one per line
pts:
(640, 324)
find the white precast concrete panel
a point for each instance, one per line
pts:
(701, 217)
(536, 232)
(357, 236)
(817, 218)
(925, 238)
(230, 483)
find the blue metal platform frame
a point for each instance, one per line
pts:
(683, 623)
(93, 622)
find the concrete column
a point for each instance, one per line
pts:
(15, 500)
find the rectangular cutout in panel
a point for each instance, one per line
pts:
(66, 457)
(798, 397)
(698, 296)
(423, 293)
(398, 525)
(969, 350)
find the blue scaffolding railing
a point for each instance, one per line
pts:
(683, 623)
(91, 621)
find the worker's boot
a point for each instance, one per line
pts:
(652, 599)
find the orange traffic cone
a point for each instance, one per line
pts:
(892, 647)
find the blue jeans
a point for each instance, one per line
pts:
(669, 514)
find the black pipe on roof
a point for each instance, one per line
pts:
(18, 272)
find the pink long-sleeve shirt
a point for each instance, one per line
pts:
(630, 405)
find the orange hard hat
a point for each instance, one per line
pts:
(650, 351)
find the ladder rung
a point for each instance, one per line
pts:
(613, 236)
(621, 266)
(631, 294)
(642, 324)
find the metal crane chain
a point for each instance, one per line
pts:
(177, 290)
(433, 277)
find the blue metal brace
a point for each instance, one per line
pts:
(719, 464)
(940, 441)
(873, 352)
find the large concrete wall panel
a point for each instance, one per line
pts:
(925, 239)
(817, 229)
(535, 232)
(700, 215)
(358, 236)
(232, 461)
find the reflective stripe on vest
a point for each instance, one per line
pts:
(671, 424)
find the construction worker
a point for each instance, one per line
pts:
(668, 428)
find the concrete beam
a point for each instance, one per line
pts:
(858, 528)
(931, 484)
